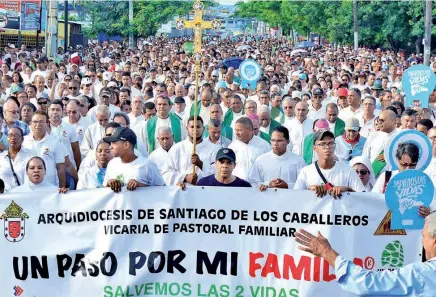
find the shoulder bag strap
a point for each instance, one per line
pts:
(322, 175)
(12, 168)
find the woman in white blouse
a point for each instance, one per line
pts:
(36, 170)
(13, 160)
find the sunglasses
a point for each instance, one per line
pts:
(72, 88)
(362, 172)
(42, 102)
(88, 85)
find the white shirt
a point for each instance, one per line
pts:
(88, 178)
(80, 126)
(204, 114)
(430, 170)
(28, 186)
(340, 175)
(51, 150)
(246, 154)
(19, 164)
(236, 116)
(38, 72)
(141, 169)
(376, 143)
(347, 113)
(270, 166)
(317, 114)
(380, 183)
(92, 113)
(286, 121)
(66, 133)
(297, 132)
(135, 119)
(179, 161)
(160, 158)
(93, 134)
(366, 129)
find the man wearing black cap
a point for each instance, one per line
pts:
(326, 176)
(224, 165)
(317, 109)
(127, 169)
(179, 106)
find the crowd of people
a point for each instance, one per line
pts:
(109, 116)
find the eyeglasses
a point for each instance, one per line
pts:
(326, 145)
(71, 111)
(407, 164)
(362, 172)
(42, 102)
(104, 97)
(72, 88)
(88, 85)
(12, 136)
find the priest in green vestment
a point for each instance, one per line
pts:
(163, 118)
(216, 113)
(337, 126)
(267, 125)
(235, 111)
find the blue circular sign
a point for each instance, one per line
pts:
(250, 70)
(413, 136)
(406, 191)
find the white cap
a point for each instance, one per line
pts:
(107, 75)
(215, 73)
(86, 81)
(296, 94)
(165, 59)
(118, 68)
(112, 84)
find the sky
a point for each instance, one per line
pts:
(227, 2)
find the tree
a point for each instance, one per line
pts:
(112, 18)
(393, 24)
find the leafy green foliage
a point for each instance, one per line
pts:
(395, 24)
(112, 17)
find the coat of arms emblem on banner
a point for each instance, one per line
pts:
(15, 219)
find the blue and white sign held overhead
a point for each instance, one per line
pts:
(418, 82)
(250, 72)
(406, 191)
(412, 136)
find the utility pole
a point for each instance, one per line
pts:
(427, 34)
(356, 34)
(52, 29)
(66, 37)
(131, 42)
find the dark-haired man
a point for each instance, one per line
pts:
(327, 176)
(181, 160)
(279, 167)
(126, 168)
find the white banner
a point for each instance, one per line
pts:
(208, 242)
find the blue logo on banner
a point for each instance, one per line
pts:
(418, 82)
(405, 192)
(410, 136)
(250, 72)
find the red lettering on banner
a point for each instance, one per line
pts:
(303, 269)
(271, 265)
(253, 266)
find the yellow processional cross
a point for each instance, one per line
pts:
(197, 24)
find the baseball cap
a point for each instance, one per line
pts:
(107, 76)
(112, 84)
(215, 73)
(352, 124)
(319, 135)
(318, 92)
(179, 100)
(118, 68)
(40, 60)
(322, 124)
(377, 85)
(342, 92)
(122, 133)
(302, 76)
(269, 68)
(296, 94)
(226, 153)
(86, 81)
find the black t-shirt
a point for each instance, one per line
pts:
(211, 181)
